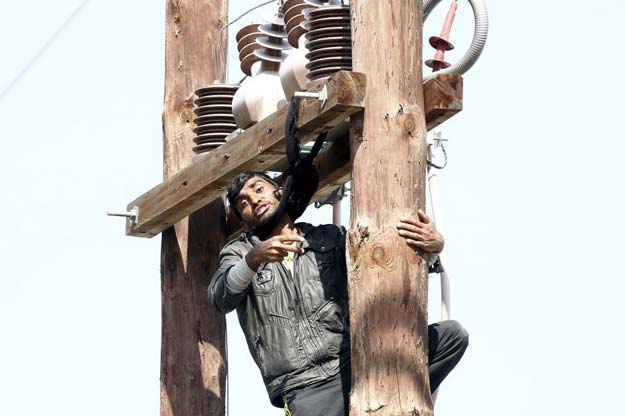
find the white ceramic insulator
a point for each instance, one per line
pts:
(259, 96)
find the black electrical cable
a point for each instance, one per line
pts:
(302, 178)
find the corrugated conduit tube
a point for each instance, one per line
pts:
(477, 44)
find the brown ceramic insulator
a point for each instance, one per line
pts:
(261, 94)
(246, 46)
(226, 128)
(214, 99)
(329, 32)
(314, 13)
(439, 43)
(248, 61)
(288, 4)
(212, 109)
(214, 121)
(216, 89)
(272, 30)
(336, 41)
(329, 51)
(248, 50)
(329, 62)
(326, 3)
(438, 64)
(273, 43)
(210, 137)
(295, 21)
(295, 34)
(328, 41)
(324, 73)
(327, 22)
(246, 30)
(214, 118)
(263, 42)
(293, 12)
(247, 40)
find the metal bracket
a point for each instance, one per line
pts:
(437, 139)
(132, 215)
(321, 95)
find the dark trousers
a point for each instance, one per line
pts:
(447, 342)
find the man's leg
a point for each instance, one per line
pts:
(447, 341)
(327, 398)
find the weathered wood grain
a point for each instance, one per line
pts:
(257, 148)
(387, 280)
(193, 347)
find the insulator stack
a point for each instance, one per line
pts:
(293, 70)
(329, 41)
(294, 17)
(214, 120)
(273, 42)
(261, 94)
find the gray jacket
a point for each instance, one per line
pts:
(296, 327)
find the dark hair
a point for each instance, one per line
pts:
(239, 181)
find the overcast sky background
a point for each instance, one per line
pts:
(533, 202)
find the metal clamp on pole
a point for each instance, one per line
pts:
(321, 95)
(436, 142)
(132, 215)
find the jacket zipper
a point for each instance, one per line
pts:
(300, 304)
(298, 307)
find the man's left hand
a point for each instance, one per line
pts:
(421, 233)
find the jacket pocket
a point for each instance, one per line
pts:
(325, 254)
(330, 316)
(264, 282)
(332, 326)
(277, 352)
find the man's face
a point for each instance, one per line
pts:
(257, 201)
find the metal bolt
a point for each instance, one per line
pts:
(133, 214)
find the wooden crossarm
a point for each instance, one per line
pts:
(443, 98)
(257, 148)
(262, 147)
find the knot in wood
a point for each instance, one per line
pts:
(186, 112)
(380, 256)
(410, 124)
(378, 252)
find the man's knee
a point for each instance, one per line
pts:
(457, 333)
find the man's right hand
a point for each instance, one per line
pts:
(273, 250)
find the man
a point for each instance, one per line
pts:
(290, 293)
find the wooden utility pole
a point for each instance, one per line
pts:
(193, 348)
(387, 281)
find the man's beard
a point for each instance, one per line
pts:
(268, 216)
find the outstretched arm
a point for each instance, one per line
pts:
(231, 281)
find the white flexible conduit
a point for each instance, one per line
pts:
(477, 44)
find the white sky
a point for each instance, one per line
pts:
(533, 211)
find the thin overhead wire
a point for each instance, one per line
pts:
(43, 49)
(217, 47)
